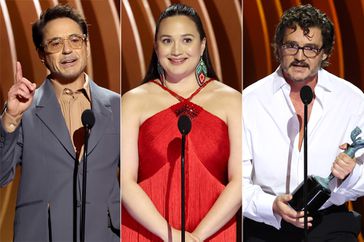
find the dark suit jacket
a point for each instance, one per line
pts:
(48, 201)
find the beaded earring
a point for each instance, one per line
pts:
(161, 74)
(201, 72)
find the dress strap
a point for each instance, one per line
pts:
(180, 98)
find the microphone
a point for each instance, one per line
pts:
(88, 118)
(184, 124)
(306, 95)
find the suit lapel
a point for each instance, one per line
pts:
(102, 111)
(49, 112)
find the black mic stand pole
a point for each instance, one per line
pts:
(183, 225)
(84, 182)
(88, 120)
(306, 97)
(305, 168)
(184, 126)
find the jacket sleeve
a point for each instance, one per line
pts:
(11, 147)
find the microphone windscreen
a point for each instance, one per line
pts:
(306, 94)
(184, 124)
(88, 118)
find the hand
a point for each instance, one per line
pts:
(343, 164)
(21, 94)
(176, 236)
(288, 214)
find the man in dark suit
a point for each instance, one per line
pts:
(41, 130)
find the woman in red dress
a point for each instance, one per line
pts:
(180, 81)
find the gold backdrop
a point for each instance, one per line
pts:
(223, 22)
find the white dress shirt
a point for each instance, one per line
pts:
(272, 162)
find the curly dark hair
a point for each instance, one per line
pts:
(59, 11)
(306, 17)
(179, 10)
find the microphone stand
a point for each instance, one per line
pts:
(184, 126)
(88, 120)
(84, 182)
(183, 223)
(305, 168)
(306, 97)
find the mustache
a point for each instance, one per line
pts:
(299, 63)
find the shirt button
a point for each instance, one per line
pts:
(67, 91)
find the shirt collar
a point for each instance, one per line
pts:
(323, 86)
(322, 80)
(278, 80)
(59, 88)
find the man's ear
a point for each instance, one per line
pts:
(325, 56)
(88, 49)
(41, 55)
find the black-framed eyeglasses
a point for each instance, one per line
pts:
(308, 50)
(56, 44)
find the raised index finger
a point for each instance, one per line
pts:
(19, 72)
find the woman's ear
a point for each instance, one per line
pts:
(203, 46)
(155, 46)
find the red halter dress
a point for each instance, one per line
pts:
(206, 162)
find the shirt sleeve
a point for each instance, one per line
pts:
(350, 189)
(257, 204)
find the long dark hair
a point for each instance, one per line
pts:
(176, 10)
(306, 17)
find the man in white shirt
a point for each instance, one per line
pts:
(273, 136)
